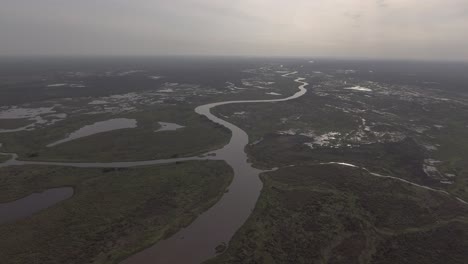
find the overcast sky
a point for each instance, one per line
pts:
(421, 29)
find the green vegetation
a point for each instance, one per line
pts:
(403, 158)
(333, 214)
(389, 131)
(142, 143)
(113, 213)
(305, 113)
(308, 213)
(453, 141)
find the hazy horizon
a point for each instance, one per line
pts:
(347, 29)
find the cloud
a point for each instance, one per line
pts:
(376, 28)
(381, 3)
(355, 17)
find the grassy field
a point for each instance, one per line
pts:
(332, 214)
(198, 136)
(403, 159)
(112, 214)
(307, 112)
(430, 130)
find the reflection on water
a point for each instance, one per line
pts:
(33, 203)
(41, 116)
(168, 127)
(98, 127)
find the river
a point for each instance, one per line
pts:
(217, 225)
(196, 242)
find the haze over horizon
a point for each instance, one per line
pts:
(397, 29)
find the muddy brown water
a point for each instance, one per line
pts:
(196, 242)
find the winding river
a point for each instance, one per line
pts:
(217, 225)
(196, 242)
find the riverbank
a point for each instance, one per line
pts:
(337, 213)
(130, 144)
(113, 213)
(218, 224)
